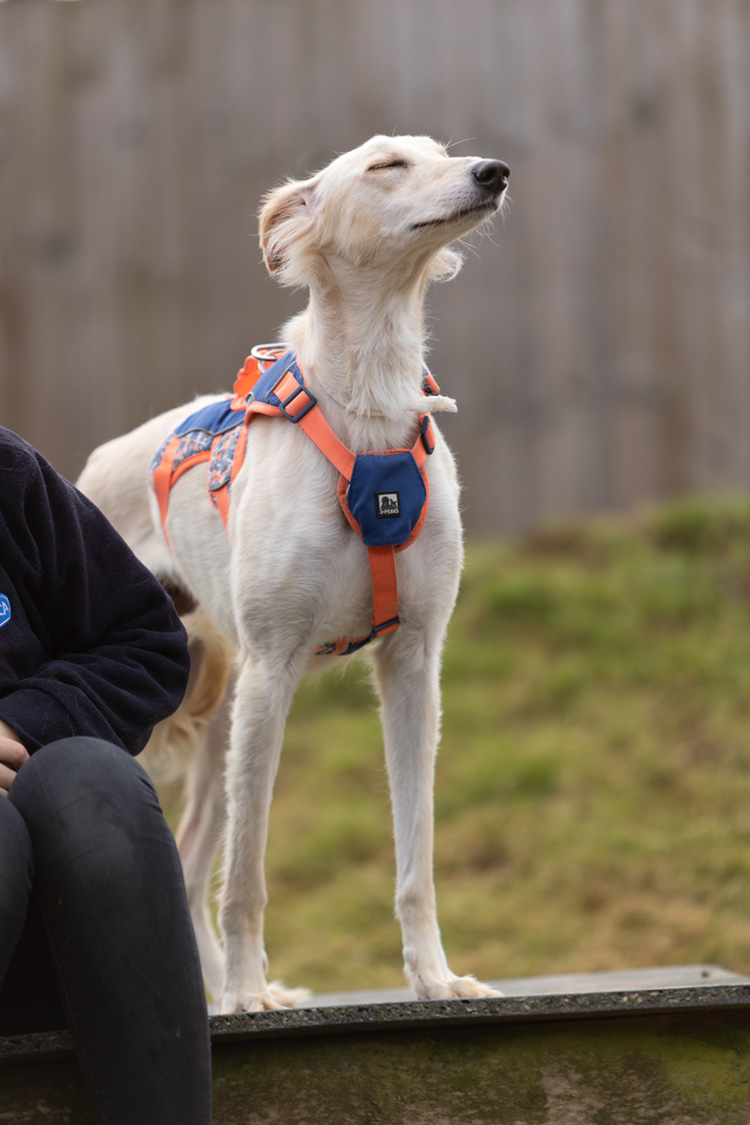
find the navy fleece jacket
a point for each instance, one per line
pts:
(89, 642)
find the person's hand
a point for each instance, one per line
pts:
(12, 756)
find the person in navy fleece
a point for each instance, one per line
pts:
(95, 932)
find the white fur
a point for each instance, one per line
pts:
(365, 236)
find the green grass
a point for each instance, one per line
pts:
(593, 787)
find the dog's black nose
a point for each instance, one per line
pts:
(492, 174)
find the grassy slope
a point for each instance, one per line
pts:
(593, 791)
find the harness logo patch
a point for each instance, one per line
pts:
(4, 610)
(387, 505)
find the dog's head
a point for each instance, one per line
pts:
(394, 203)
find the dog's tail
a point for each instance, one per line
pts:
(176, 740)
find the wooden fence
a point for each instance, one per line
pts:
(599, 344)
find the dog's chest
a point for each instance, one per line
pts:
(312, 542)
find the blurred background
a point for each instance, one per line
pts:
(593, 788)
(598, 346)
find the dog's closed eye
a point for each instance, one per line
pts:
(395, 163)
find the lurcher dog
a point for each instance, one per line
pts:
(365, 236)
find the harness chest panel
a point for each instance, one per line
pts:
(383, 495)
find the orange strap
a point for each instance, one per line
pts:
(298, 401)
(164, 476)
(384, 589)
(161, 482)
(385, 617)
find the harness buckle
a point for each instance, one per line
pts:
(294, 416)
(384, 627)
(427, 435)
(326, 649)
(287, 389)
(429, 384)
(342, 648)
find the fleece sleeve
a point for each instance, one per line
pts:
(112, 656)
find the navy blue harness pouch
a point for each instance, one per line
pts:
(386, 496)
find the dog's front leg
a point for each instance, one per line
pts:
(261, 704)
(407, 675)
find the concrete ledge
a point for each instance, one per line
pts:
(436, 1014)
(615, 1050)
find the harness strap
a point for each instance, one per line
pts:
(165, 475)
(220, 496)
(272, 383)
(284, 381)
(298, 405)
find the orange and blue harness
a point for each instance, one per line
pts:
(384, 495)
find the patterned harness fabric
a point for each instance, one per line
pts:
(210, 434)
(221, 461)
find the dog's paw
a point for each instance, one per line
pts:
(454, 988)
(273, 997)
(233, 1002)
(288, 997)
(469, 988)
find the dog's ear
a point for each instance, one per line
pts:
(285, 217)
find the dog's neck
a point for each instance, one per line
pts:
(362, 351)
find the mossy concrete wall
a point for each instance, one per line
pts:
(484, 1063)
(674, 1072)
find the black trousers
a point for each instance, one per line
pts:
(95, 933)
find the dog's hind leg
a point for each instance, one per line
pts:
(263, 696)
(407, 677)
(198, 838)
(192, 742)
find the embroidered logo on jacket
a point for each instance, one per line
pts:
(4, 610)
(387, 505)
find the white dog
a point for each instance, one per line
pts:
(288, 575)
